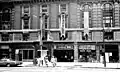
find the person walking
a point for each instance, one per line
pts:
(53, 61)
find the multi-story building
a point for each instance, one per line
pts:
(71, 30)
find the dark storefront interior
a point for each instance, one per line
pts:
(64, 55)
(113, 49)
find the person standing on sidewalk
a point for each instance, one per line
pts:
(53, 61)
(46, 60)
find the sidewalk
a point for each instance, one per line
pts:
(80, 64)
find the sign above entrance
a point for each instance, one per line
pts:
(62, 46)
(92, 47)
(4, 47)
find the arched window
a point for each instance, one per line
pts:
(107, 15)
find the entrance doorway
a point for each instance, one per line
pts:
(64, 55)
(111, 52)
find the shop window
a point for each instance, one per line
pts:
(108, 35)
(27, 54)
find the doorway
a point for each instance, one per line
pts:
(111, 52)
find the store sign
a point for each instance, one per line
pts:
(5, 47)
(64, 47)
(91, 47)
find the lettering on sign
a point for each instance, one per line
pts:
(92, 47)
(64, 47)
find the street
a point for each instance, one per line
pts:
(56, 69)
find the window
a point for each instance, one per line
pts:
(5, 37)
(62, 37)
(5, 19)
(27, 54)
(44, 8)
(26, 17)
(63, 7)
(25, 36)
(44, 12)
(107, 15)
(108, 35)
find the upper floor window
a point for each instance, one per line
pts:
(26, 17)
(107, 15)
(63, 7)
(5, 19)
(44, 10)
(109, 35)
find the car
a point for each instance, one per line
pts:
(9, 62)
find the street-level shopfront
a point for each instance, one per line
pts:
(86, 52)
(64, 52)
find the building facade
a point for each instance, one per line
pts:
(71, 30)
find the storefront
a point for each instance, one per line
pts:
(64, 52)
(87, 53)
(5, 51)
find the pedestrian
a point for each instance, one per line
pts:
(53, 61)
(46, 60)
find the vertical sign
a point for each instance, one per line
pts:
(86, 22)
(63, 24)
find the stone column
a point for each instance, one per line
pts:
(75, 52)
(119, 52)
(98, 53)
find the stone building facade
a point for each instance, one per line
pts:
(71, 30)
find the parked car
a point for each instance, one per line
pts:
(9, 62)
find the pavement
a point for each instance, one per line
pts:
(78, 64)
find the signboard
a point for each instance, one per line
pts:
(92, 47)
(63, 46)
(4, 47)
